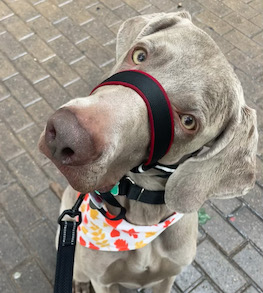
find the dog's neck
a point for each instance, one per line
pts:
(139, 213)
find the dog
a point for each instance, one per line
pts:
(96, 140)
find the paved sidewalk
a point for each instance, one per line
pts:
(54, 50)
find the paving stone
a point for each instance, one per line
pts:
(14, 114)
(60, 70)
(259, 38)
(12, 250)
(125, 12)
(112, 4)
(104, 14)
(250, 225)
(41, 240)
(223, 44)
(50, 11)
(23, 9)
(40, 112)
(49, 203)
(29, 138)
(6, 68)
(32, 279)
(33, 180)
(10, 46)
(30, 68)
(242, 24)
(5, 177)
(240, 7)
(187, 278)
(243, 43)
(65, 49)
(77, 13)
(243, 62)
(54, 175)
(216, 6)
(259, 175)
(222, 232)
(5, 11)
(139, 5)
(213, 21)
(257, 20)
(52, 92)
(95, 52)
(226, 206)
(79, 89)
(5, 286)
(88, 71)
(9, 146)
(218, 268)
(251, 290)
(17, 27)
(19, 207)
(4, 93)
(22, 90)
(71, 30)
(149, 10)
(99, 32)
(244, 259)
(44, 28)
(192, 6)
(38, 48)
(164, 6)
(204, 287)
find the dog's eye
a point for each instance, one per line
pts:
(138, 56)
(188, 121)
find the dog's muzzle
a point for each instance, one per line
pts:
(158, 107)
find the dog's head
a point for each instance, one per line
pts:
(95, 140)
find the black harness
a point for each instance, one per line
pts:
(162, 135)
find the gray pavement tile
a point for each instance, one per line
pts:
(222, 232)
(9, 145)
(54, 175)
(204, 287)
(226, 206)
(19, 207)
(22, 90)
(14, 114)
(5, 177)
(217, 7)
(251, 290)
(52, 92)
(255, 199)
(29, 139)
(5, 284)
(218, 268)
(41, 240)
(187, 277)
(250, 225)
(12, 252)
(33, 180)
(6, 69)
(49, 204)
(4, 93)
(32, 279)
(244, 259)
(10, 46)
(240, 7)
(79, 88)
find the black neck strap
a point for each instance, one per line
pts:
(158, 107)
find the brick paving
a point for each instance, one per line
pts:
(55, 50)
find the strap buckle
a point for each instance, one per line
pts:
(74, 212)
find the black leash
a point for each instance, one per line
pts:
(66, 248)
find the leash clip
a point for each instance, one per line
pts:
(74, 212)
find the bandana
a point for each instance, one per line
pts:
(98, 232)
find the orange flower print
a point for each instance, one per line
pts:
(92, 246)
(167, 223)
(114, 233)
(132, 233)
(121, 244)
(82, 241)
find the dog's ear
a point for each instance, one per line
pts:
(133, 29)
(226, 170)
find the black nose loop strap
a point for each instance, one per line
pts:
(158, 106)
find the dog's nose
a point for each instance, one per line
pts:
(68, 142)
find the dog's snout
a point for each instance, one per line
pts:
(68, 142)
